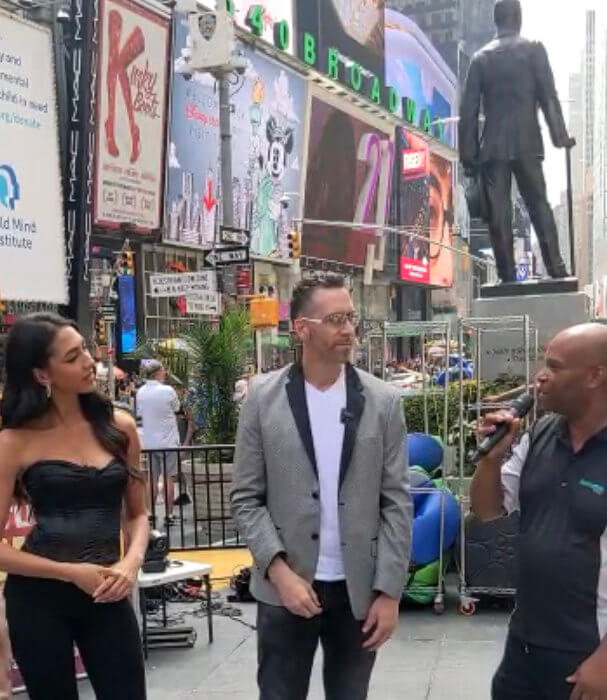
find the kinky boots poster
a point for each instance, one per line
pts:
(131, 115)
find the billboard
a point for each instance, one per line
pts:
(348, 179)
(410, 205)
(354, 27)
(131, 117)
(32, 252)
(441, 221)
(269, 103)
(416, 69)
(271, 12)
(422, 202)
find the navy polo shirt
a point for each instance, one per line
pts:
(561, 598)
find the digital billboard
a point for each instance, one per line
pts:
(410, 205)
(348, 160)
(416, 70)
(269, 102)
(441, 221)
(422, 203)
(272, 12)
(354, 27)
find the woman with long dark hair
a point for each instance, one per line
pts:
(76, 461)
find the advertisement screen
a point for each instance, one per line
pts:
(131, 124)
(269, 102)
(422, 203)
(128, 318)
(354, 27)
(416, 69)
(344, 165)
(32, 252)
(410, 205)
(272, 12)
(441, 221)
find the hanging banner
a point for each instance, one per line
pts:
(131, 119)
(32, 253)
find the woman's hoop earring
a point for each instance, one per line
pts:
(47, 389)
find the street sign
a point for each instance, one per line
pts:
(108, 312)
(204, 304)
(220, 257)
(235, 236)
(183, 283)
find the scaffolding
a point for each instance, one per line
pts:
(478, 328)
(427, 332)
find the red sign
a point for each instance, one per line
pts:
(414, 162)
(414, 270)
(243, 279)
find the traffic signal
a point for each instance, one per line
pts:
(294, 239)
(100, 331)
(126, 263)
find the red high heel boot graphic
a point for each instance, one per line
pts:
(118, 63)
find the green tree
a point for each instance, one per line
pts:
(217, 355)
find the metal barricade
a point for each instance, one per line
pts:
(191, 484)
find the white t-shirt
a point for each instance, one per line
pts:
(157, 404)
(325, 410)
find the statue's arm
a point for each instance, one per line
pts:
(468, 117)
(548, 97)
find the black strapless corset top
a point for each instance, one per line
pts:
(77, 510)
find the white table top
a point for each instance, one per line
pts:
(176, 571)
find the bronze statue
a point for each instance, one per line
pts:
(511, 77)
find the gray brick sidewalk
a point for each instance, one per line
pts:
(430, 658)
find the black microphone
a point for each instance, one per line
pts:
(519, 409)
(345, 416)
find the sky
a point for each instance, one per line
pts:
(560, 25)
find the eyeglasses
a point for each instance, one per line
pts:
(338, 319)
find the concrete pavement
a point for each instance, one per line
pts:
(430, 658)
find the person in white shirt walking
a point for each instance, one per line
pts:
(157, 403)
(321, 496)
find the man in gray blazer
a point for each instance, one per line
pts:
(321, 496)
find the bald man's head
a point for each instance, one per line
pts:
(576, 369)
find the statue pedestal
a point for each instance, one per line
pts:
(568, 285)
(503, 350)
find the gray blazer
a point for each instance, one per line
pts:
(275, 493)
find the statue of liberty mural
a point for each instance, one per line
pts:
(269, 159)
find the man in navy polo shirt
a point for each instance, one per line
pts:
(557, 478)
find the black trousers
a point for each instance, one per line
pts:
(286, 646)
(497, 180)
(534, 673)
(47, 617)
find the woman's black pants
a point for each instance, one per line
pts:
(46, 618)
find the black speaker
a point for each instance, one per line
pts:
(156, 560)
(492, 552)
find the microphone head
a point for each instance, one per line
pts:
(522, 405)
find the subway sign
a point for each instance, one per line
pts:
(341, 69)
